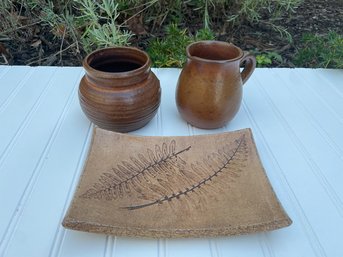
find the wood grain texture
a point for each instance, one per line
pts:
(174, 187)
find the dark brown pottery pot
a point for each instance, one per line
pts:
(209, 89)
(119, 92)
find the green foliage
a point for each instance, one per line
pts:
(204, 34)
(266, 59)
(282, 32)
(60, 21)
(84, 25)
(252, 9)
(88, 24)
(171, 51)
(98, 19)
(154, 12)
(232, 12)
(321, 51)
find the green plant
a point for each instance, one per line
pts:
(60, 21)
(283, 32)
(266, 59)
(82, 24)
(170, 51)
(266, 12)
(321, 51)
(154, 13)
(16, 21)
(99, 22)
(252, 10)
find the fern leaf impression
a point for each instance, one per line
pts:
(202, 173)
(130, 174)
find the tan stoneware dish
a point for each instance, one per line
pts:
(193, 186)
(119, 92)
(209, 90)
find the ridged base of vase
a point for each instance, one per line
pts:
(122, 126)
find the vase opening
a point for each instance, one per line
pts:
(116, 66)
(117, 60)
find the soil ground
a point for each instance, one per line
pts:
(314, 16)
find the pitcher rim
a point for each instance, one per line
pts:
(192, 57)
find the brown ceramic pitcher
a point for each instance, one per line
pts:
(209, 89)
(119, 92)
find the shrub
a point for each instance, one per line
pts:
(80, 26)
(321, 51)
(155, 13)
(98, 21)
(87, 24)
(268, 58)
(171, 51)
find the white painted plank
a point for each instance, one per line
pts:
(3, 67)
(328, 91)
(76, 243)
(3, 70)
(330, 95)
(10, 81)
(55, 173)
(129, 247)
(299, 174)
(20, 168)
(333, 76)
(197, 247)
(17, 111)
(240, 246)
(306, 133)
(325, 119)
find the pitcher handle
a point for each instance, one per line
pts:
(249, 66)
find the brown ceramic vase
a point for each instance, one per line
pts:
(209, 89)
(119, 92)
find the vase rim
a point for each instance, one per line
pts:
(125, 53)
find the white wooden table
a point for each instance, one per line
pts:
(296, 116)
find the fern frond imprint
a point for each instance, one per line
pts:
(128, 176)
(202, 173)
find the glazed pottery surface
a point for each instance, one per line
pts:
(209, 89)
(119, 92)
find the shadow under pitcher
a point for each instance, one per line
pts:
(209, 90)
